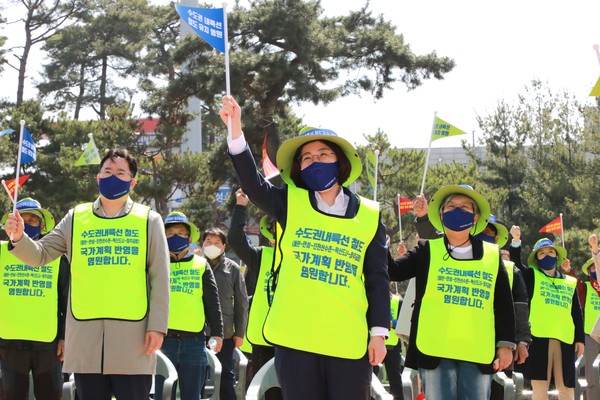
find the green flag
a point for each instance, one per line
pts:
(442, 129)
(596, 89)
(372, 169)
(90, 155)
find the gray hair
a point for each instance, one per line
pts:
(452, 196)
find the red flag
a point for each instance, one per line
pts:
(554, 226)
(10, 184)
(269, 169)
(404, 205)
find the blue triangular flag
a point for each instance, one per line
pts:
(6, 131)
(28, 151)
(206, 22)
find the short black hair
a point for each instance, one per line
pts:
(215, 232)
(124, 154)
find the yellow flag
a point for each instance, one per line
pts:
(90, 155)
(442, 129)
(596, 89)
(372, 169)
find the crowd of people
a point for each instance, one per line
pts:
(97, 294)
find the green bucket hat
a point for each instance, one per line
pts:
(561, 252)
(586, 267)
(29, 205)
(501, 231)
(265, 227)
(287, 150)
(177, 217)
(438, 199)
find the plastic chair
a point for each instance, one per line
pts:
(212, 384)
(508, 385)
(240, 365)
(69, 388)
(264, 379)
(410, 384)
(580, 382)
(166, 369)
(378, 392)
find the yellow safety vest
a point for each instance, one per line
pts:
(260, 301)
(186, 307)
(592, 308)
(320, 291)
(392, 339)
(108, 265)
(28, 299)
(550, 314)
(456, 319)
(510, 271)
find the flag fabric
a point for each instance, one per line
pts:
(6, 131)
(554, 226)
(442, 129)
(207, 23)
(596, 89)
(269, 169)
(404, 205)
(372, 169)
(11, 183)
(90, 155)
(28, 151)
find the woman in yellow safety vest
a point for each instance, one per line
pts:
(330, 311)
(555, 318)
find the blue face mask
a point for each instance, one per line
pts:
(486, 238)
(177, 243)
(320, 176)
(113, 188)
(594, 276)
(34, 232)
(547, 263)
(458, 219)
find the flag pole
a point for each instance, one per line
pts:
(8, 192)
(399, 217)
(376, 166)
(428, 151)
(22, 122)
(562, 230)
(227, 82)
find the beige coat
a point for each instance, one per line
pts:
(109, 346)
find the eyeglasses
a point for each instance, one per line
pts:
(122, 175)
(322, 156)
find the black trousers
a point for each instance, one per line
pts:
(103, 387)
(313, 376)
(45, 367)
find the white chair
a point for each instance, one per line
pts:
(508, 385)
(378, 392)
(264, 379)
(212, 384)
(166, 369)
(240, 365)
(410, 384)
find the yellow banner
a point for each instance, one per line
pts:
(442, 129)
(596, 89)
(90, 155)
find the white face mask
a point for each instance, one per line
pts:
(212, 251)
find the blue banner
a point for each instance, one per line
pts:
(28, 151)
(206, 22)
(6, 131)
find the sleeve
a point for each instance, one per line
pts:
(240, 305)
(49, 247)
(425, 229)
(406, 267)
(63, 294)
(238, 242)
(577, 319)
(504, 311)
(269, 198)
(581, 288)
(212, 306)
(515, 256)
(377, 281)
(157, 262)
(521, 301)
